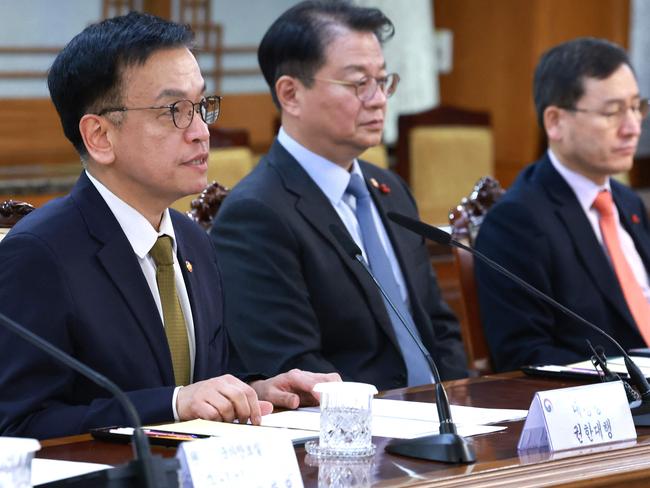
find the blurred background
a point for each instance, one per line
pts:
(466, 69)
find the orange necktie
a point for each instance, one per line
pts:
(636, 301)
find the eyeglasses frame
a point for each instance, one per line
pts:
(641, 111)
(196, 108)
(357, 84)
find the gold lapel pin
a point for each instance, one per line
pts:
(374, 183)
(188, 265)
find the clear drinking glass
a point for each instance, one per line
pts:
(342, 472)
(345, 420)
(16, 461)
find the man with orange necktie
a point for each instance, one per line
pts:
(565, 226)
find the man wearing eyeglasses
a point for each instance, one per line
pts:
(295, 298)
(566, 226)
(108, 273)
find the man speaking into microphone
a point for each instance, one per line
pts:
(295, 299)
(565, 226)
(108, 273)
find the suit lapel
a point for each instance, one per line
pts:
(317, 210)
(386, 202)
(120, 263)
(589, 250)
(631, 221)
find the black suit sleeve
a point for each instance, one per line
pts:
(36, 389)
(520, 329)
(254, 246)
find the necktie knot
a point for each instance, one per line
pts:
(604, 204)
(162, 251)
(357, 187)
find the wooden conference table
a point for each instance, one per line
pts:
(498, 465)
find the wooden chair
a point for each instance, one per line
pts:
(207, 204)
(441, 152)
(11, 212)
(230, 159)
(228, 137)
(377, 155)
(465, 220)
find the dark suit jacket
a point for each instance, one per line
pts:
(68, 273)
(294, 299)
(539, 231)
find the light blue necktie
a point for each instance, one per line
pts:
(416, 364)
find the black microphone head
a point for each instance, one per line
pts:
(422, 229)
(349, 246)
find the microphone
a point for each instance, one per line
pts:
(640, 409)
(146, 469)
(448, 446)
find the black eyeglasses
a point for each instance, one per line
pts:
(615, 117)
(367, 87)
(182, 111)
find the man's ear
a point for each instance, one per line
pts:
(288, 90)
(554, 123)
(95, 132)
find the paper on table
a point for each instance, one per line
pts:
(48, 470)
(617, 365)
(398, 428)
(208, 427)
(427, 411)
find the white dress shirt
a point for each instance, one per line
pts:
(586, 192)
(333, 180)
(142, 236)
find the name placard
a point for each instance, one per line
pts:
(260, 460)
(578, 417)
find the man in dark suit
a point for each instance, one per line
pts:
(295, 298)
(108, 273)
(551, 228)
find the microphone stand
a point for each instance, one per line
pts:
(145, 470)
(446, 447)
(640, 409)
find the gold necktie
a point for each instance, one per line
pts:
(173, 318)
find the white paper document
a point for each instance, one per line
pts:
(404, 420)
(461, 414)
(616, 365)
(398, 428)
(218, 429)
(48, 470)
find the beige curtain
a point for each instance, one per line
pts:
(410, 53)
(640, 57)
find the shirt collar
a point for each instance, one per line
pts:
(584, 189)
(139, 232)
(329, 176)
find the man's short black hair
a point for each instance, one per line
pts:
(560, 73)
(87, 73)
(295, 43)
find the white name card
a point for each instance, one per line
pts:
(578, 417)
(244, 460)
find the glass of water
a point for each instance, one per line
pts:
(345, 420)
(16, 461)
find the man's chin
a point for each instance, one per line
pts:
(369, 142)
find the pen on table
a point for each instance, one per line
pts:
(173, 435)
